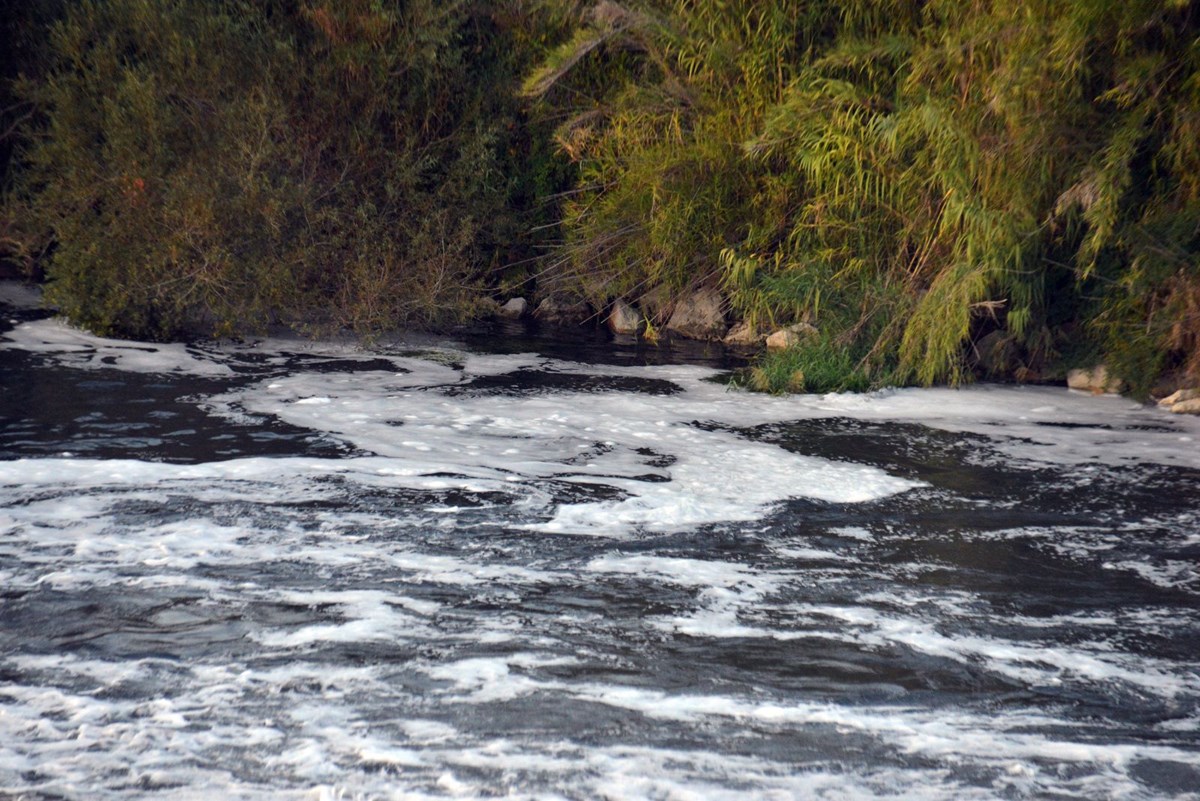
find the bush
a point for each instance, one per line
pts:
(218, 165)
(912, 175)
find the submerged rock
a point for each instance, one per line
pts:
(1096, 381)
(623, 318)
(791, 336)
(699, 316)
(514, 308)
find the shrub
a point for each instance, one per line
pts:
(219, 165)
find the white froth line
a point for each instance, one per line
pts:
(1033, 664)
(930, 732)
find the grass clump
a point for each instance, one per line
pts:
(817, 365)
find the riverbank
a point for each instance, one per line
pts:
(750, 362)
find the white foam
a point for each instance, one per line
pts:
(73, 347)
(368, 616)
(603, 437)
(455, 662)
(20, 295)
(1037, 424)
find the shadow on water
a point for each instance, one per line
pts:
(593, 344)
(538, 382)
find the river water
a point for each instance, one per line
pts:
(555, 569)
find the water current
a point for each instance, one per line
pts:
(562, 568)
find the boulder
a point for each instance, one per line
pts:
(743, 334)
(20, 295)
(514, 309)
(1096, 381)
(1180, 396)
(558, 311)
(1191, 406)
(791, 336)
(995, 353)
(699, 316)
(623, 318)
(1182, 401)
(655, 304)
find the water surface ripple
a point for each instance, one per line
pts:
(295, 570)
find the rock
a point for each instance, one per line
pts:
(699, 316)
(791, 336)
(514, 309)
(655, 304)
(1191, 406)
(995, 352)
(1180, 396)
(1182, 401)
(1095, 381)
(623, 318)
(557, 311)
(1166, 384)
(743, 334)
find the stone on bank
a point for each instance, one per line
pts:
(623, 318)
(1182, 401)
(699, 316)
(1095, 380)
(514, 309)
(791, 336)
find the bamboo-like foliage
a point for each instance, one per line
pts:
(658, 99)
(907, 175)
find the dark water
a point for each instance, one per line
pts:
(474, 572)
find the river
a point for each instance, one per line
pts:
(559, 568)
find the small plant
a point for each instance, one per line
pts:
(818, 365)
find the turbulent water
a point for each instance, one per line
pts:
(296, 570)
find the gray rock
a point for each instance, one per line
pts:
(623, 318)
(996, 353)
(514, 308)
(20, 295)
(699, 316)
(557, 311)
(791, 336)
(655, 304)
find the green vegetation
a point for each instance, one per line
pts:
(915, 179)
(907, 176)
(216, 166)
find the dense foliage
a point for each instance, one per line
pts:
(220, 164)
(909, 176)
(942, 188)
